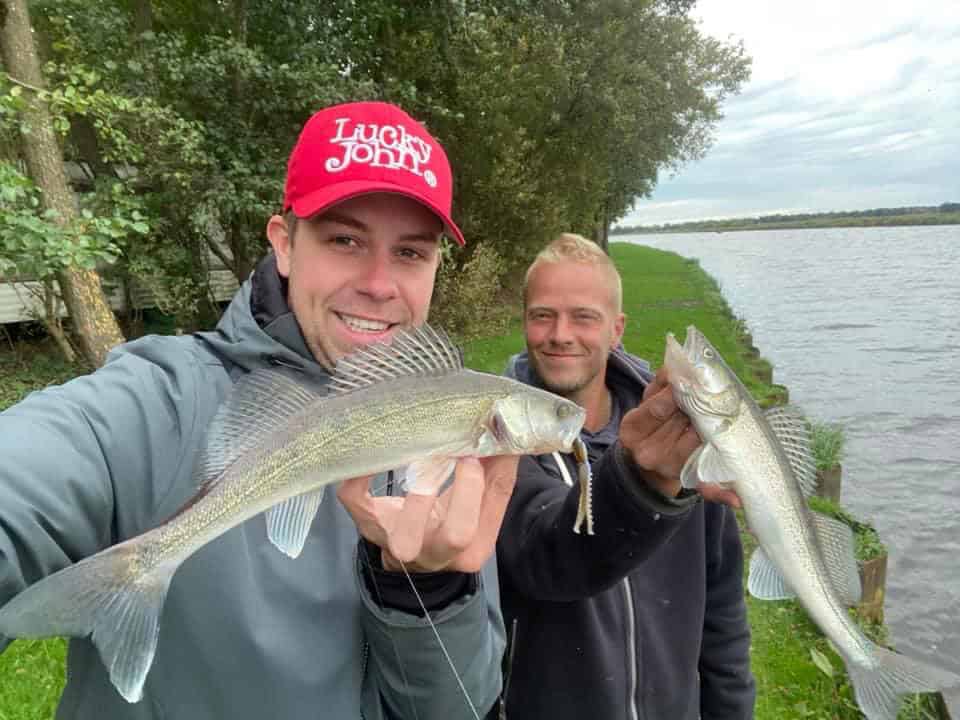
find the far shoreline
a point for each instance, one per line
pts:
(933, 218)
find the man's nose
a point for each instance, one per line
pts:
(377, 279)
(562, 331)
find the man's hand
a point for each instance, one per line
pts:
(659, 438)
(455, 531)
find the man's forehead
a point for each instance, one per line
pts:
(411, 219)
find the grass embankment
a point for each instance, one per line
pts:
(662, 293)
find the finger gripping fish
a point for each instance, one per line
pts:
(765, 458)
(273, 446)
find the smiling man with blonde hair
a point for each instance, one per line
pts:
(644, 618)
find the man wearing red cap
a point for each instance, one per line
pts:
(248, 633)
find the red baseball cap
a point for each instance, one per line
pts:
(367, 147)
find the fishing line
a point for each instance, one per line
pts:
(443, 647)
(393, 642)
(388, 486)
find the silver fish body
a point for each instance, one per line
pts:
(273, 447)
(370, 430)
(764, 457)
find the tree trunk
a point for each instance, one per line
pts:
(51, 311)
(142, 16)
(82, 292)
(603, 229)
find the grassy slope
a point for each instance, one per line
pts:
(662, 293)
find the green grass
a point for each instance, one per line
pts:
(826, 442)
(662, 293)
(31, 679)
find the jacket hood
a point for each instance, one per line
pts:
(258, 328)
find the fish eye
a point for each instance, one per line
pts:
(708, 353)
(564, 411)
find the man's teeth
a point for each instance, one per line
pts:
(362, 325)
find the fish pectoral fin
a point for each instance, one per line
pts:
(427, 477)
(765, 581)
(288, 523)
(836, 542)
(705, 465)
(102, 596)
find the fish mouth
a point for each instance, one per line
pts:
(677, 357)
(573, 430)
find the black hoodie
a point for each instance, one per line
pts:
(645, 620)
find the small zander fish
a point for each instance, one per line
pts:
(765, 458)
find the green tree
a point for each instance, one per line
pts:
(556, 115)
(78, 280)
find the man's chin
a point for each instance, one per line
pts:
(564, 387)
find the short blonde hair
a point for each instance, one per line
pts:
(569, 247)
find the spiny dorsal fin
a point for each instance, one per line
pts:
(260, 402)
(791, 429)
(417, 352)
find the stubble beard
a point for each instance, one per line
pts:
(568, 389)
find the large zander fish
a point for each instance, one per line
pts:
(765, 458)
(273, 446)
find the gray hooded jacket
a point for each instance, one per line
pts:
(247, 633)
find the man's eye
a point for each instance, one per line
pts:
(344, 240)
(410, 253)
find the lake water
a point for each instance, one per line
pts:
(863, 326)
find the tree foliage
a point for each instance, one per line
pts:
(555, 114)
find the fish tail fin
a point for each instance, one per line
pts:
(878, 688)
(108, 596)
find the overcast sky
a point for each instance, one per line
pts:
(852, 104)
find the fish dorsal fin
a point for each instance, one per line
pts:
(835, 539)
(260, 402)
(417, 352)
(791, 429)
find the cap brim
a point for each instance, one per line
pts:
(317, 202)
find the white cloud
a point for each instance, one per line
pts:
(852, 105)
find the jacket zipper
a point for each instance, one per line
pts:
(506, 677)
(631, 649)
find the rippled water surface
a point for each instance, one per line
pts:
(863, 326)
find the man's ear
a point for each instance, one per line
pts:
(279, 236)
(619, 325)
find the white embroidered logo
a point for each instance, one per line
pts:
(389, 146)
